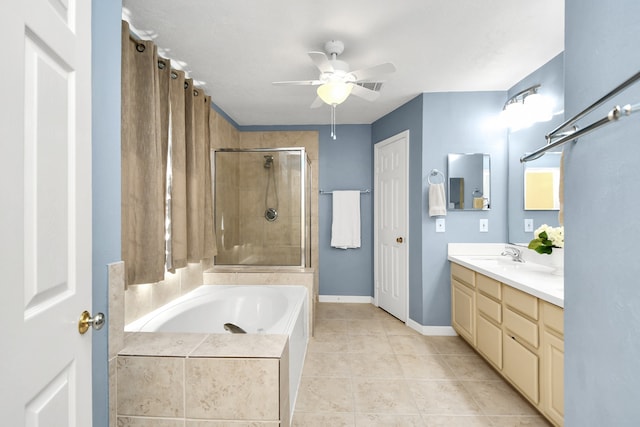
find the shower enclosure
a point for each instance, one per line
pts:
(262, 204)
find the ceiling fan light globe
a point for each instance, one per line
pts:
(334, 93)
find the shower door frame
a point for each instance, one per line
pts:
(304, 162)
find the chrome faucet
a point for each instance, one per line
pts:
(514, 253)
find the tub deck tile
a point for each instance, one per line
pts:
(167, 344)
(241, 345)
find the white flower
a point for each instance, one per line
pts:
(554, 234)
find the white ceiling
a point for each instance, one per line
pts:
(236, 48)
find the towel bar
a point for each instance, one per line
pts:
(367, 191)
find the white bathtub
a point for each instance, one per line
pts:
(257, 309)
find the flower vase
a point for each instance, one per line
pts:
(556, 261)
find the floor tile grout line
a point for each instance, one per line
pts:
(443, 354)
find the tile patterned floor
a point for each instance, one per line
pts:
(366, 368)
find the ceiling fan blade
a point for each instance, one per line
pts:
(298, 83)
(373, 72)
(364, 93)
(317, 103)
(321, 61)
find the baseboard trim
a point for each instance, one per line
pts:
(346, 299)
(446, 331)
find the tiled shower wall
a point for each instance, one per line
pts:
(283, 139)
(248, 188)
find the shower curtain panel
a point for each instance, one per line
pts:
(165, 124)
(177, 241)
(141, 157)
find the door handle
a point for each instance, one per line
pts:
(86, 320)
(399, 240)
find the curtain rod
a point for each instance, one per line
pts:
(367, 191)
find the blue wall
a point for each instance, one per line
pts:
(551, 77)
(602, 297)
(459, 122)
(439, 124)
(346, 164)
(409, 117)
(105, 92)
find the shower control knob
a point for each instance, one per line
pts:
(399, 240)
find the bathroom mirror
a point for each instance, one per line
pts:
(542, 183)
(469, 181)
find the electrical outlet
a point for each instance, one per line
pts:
(439, 225)
(528, 225)
(484, 225)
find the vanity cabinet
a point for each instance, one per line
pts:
(520, 335)
(463, 302)
(489, 320)
(551, 379)
(520, 350)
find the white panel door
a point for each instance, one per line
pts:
(391, 245)
(45, 218)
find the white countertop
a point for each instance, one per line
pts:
(531, 277)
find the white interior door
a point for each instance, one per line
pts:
(45, 217)
(391, 247)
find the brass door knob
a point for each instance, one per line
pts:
(399, 240)
(86, 320)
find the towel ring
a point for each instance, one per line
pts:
(435, 172)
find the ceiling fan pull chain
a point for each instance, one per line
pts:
(333, 122)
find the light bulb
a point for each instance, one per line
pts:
(334, 93)
(538, 108)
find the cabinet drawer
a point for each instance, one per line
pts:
(522, 327)
(553, 317)
(489, 307)
(489, 286)
(489, 341)
(520, 301)
(521, 367)
(463, 274)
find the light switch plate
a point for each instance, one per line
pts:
(439, 225)
(484, 225)
(528, 225)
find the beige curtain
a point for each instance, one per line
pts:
(141, 157)
(177, 243)
(194, 135)
(561, 190)
(166, 169)
(210, 247)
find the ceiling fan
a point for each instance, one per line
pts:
(336, 82)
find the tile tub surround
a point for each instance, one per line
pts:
(366, 368)
(193, 378)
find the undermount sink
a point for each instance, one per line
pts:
(494, 259)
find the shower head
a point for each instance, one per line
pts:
(268, 161)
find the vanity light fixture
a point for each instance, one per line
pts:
(525, 108)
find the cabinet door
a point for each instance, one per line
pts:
(463, 310)
(552, 377)
(489, 339)
(521, 366)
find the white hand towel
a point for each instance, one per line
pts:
(437, 200)
(345, 227)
